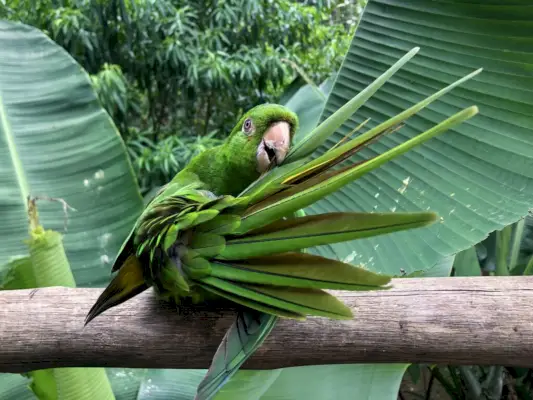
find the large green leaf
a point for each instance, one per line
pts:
(15, 387)
(308, 102)
(125, 382)
(56, 141)
(466, 263)
(441, 269)
(478, 177)
(357, 381)
(163, 384)
(310, 383)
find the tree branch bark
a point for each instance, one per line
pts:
(475, 320)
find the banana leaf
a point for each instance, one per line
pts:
(464, 168)
(479, 176)
(57, 141)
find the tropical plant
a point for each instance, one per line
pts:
(176, 66)
(508, 251)
(156, 163)
(454, 175)
(56, 141)
(46, 264)
(181, 69)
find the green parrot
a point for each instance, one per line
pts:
(229, 225)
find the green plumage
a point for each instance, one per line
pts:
(230, 226)
(197, 239)
(187, 245)
(231, 167)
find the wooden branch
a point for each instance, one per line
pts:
(477, 320)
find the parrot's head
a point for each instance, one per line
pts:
(264, 135)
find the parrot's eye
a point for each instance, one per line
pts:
(248, 126)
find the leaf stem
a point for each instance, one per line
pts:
(444, 382)
(517, 239)
(430, 386)
(503, 241)
(471, 382)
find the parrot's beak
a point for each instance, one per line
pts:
(274, 146)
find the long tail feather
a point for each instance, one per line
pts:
(305, 194)
(299, 270)
(242, 339)
(252, 304)
(303, 301)
(296, 163)
(314, 230)
(128, 283)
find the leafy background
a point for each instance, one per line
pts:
(478, 178)
(57, 141)
(184, 69)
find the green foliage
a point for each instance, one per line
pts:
(185, 69)
(508, 251)
(476, 177)
(56, 141)
(132, 48)
(157, 162)
(184, 66)
(47, 265)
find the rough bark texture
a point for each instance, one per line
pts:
(476, 320)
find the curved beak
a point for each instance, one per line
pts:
(274, 146)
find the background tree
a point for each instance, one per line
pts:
(175, 74)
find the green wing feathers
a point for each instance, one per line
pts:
(242, 339)
(190, 242)
(247, 246)
(299, 270)
(315, 230)
(128, 283)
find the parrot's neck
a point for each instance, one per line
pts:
(215, 165)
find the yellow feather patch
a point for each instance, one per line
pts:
(128, 283)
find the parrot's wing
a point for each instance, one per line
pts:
(246, 250)
(181, 180)
(255, 263)
(242, 339)
(125, 285)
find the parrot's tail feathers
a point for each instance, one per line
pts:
(242, 339)
(314, 230)
(299, 270)
(299, 301)
(247, 302)
(128, 283)
(125, 251)
(296, 185)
